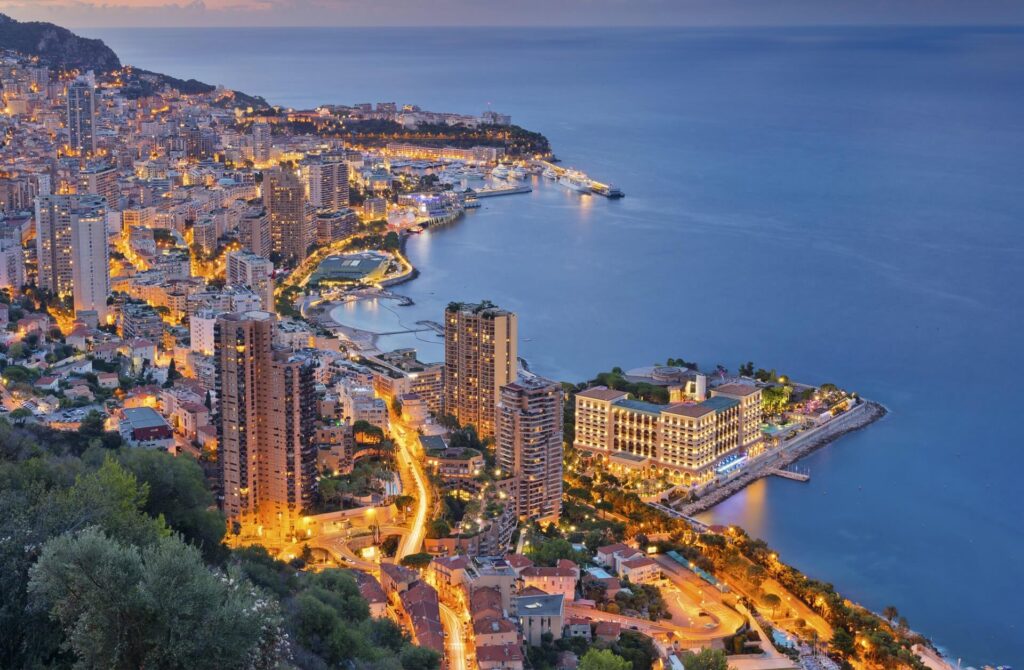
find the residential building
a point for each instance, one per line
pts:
(100, 179)
(80, 119)
(254, 232)
(529, 445)
(12, 265)
(244, 268)
(326, 180)
(267, 410)
(539, 615)
(90, 252)
(480, 357)
(284, 197)
(262, 142)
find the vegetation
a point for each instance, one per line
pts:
(112, 558)
(603, 659)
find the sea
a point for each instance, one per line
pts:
(838, 204)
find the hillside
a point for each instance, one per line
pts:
(56, 46)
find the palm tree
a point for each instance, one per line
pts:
(890, 613)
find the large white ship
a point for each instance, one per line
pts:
(575, 180)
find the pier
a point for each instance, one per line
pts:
(596, 187)
(495, 192)
(790, 474)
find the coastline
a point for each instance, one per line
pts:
(862, 416)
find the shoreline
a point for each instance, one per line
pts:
(867, 413)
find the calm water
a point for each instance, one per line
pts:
(842, 205)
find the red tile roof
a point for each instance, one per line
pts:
(499, 652)
(601, 393)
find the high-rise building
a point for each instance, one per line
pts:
(529, 445)
(262, 142)
(480, 345)
(57, 218)
(254, 232)
(90, 271)
(245, 268)
(266, 456)
(81, 117)
(335, 226)
(326, 179)
(100, 179)
(284, 197)
(12, 265)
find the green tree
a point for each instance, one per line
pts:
(420, 658)
(420, 560)
(705, 659)
(159, 606)
(177, 491)
(890, 613)
(604, 659)
(771, 600)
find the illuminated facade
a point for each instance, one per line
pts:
(480, 343)
(90, 269)
(71, 249)
(326, 179)
(267, 411)
(245, 268)
(529, 445)
(688, 443)
(284, 197)
(81, 117)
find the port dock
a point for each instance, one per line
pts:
(495, 192)
(596, 187)
(791, 474)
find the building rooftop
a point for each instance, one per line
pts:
(720, 403)
(538, 605)
(735, 389)
(640, 406)
(143, 417)
(601, 393)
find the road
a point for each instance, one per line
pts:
(708, 597)
(411, 468)
(455, 643)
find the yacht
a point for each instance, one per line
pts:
(517, 173)
(500, 172)
(550, 174)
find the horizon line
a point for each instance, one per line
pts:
(423, 26)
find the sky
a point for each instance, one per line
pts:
(273, 13)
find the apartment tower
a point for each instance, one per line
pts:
(71, 249)
(266, 458)
(480, 347)
(81, 117)
(529, 445)
(284, 197)
(245, 268)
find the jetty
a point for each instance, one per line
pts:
(596, 187)
(790, 474)
(504, 190)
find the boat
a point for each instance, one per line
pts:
(517, 173)
(500, 172)
(575, 180)
(550, 173)
(416, 230)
